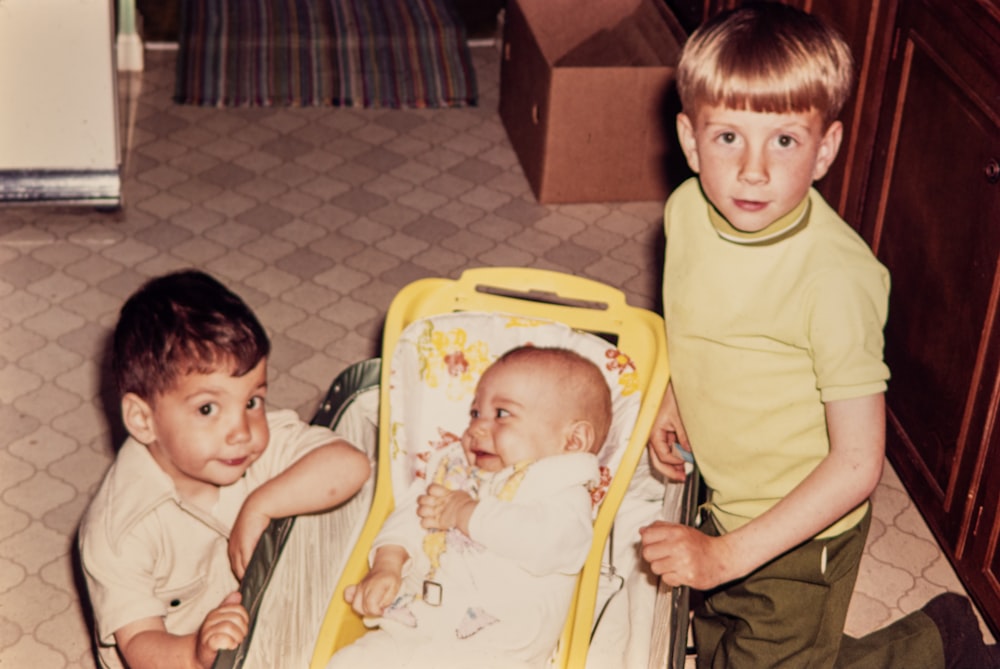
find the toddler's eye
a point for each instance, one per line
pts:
(206, 409)
(473, 413)
(255, 403)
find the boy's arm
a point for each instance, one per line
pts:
(667, 430)
(319, 480)
(146, 643)
(844, 479)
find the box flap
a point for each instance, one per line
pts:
(643, 38)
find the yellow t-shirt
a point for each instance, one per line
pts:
(762, 329)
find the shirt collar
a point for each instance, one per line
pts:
(138, 486)
(784, 227)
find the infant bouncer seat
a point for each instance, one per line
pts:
(439, 336)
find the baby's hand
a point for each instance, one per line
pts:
(224, 629)
(374, 593)
(443, 509)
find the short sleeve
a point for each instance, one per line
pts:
(848, 315)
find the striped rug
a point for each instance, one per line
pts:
(354, 53)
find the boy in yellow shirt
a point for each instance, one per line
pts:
(774, 310)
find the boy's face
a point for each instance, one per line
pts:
(755, 167)
(517, 416)
(206, 431)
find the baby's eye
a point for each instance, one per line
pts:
(473, 413)
(207, 409)
(502, 413)
(256, 402)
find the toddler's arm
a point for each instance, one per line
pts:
(381, 584)
(844, 479)
(319, 480)
(443, 509)
(667, 430)
(146, 644)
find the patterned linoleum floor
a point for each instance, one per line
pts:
(317, 217)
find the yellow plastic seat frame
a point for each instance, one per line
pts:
(579, 303)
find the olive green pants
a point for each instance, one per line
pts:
(790, 613)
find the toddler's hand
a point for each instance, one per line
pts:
(224, 628)
(443, 509)
(249, 525)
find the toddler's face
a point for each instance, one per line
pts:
(209, 429)
(516, 416)
(755, 167)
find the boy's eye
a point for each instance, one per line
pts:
(255, 402)
(206, 409)
(785, 141)
(727, 137)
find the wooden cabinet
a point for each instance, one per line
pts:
(866, 26)
(918, 175)
(931, 211)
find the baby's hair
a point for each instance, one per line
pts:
(182, 323)
(579, 379)
(766, 57)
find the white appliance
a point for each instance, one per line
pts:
(59, 129)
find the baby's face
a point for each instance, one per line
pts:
(516, 416)
(209, 428)
(755, 167)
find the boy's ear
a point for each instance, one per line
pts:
(828, 148)
(138, 418)
(685, 133)
(579, 437)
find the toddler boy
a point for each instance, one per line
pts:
(204, 470)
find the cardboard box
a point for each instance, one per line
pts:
(587, 97)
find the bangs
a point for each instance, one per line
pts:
(756, 66)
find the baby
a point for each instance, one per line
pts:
(478, 567)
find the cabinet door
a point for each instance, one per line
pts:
(866, 28)
(932, 214)
(981, 564)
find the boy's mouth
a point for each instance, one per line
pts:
(750, 205)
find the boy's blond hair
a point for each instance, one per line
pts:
(766, 57)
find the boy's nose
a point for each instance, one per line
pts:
(754, 167)
(239, 431)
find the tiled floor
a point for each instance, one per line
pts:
(317, 217)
